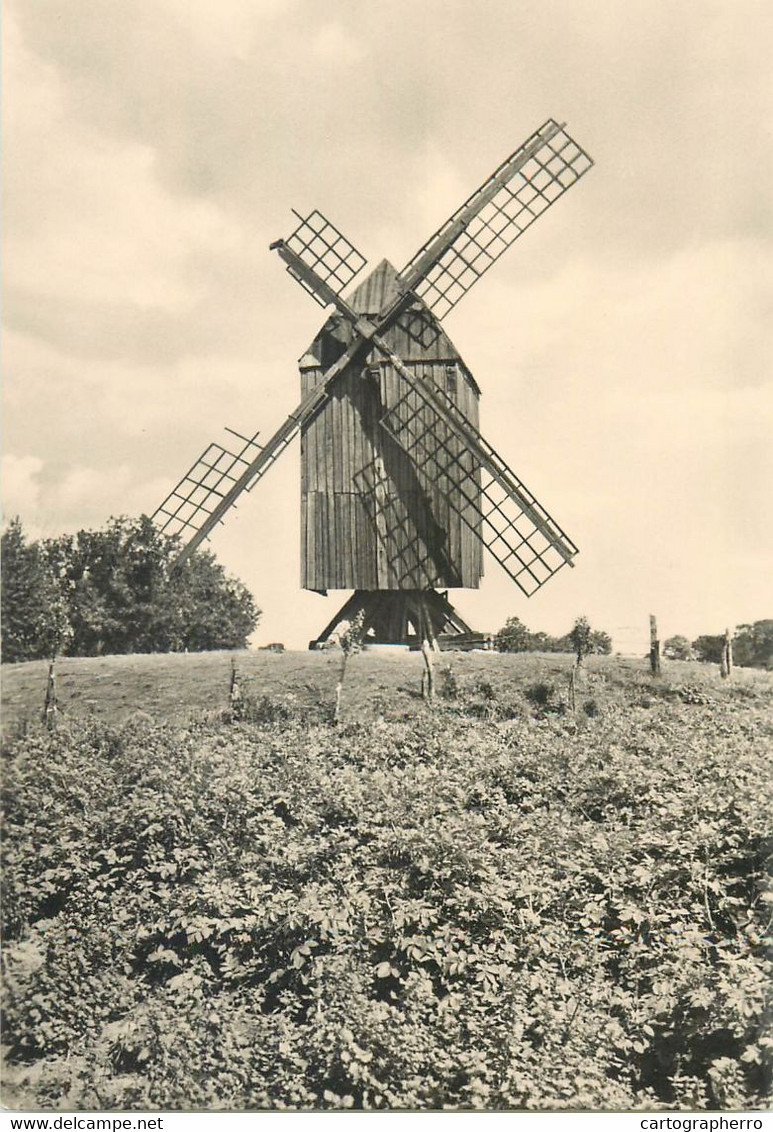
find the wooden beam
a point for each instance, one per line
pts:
(654, 647)
(726, 662)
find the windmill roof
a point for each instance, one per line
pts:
(376, 290)
(371, 295)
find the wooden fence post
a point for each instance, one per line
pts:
(234, 692)
(51, 707)
(428, 682)
(340, 685)
(726, 660)
(654, 647)
(429, 646)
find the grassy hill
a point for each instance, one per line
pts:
(502, 900)
(173, 687)
(379, 682)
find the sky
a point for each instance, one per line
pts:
(154, 149)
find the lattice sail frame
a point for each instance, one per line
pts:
(420, 557)
(326, 251)
(555, 163)
(205, 482)
(500, 518)
(440, 273)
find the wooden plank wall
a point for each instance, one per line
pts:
(366, 522)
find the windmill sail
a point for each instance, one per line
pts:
(441, 442)
(207, 501)
(491, 220)
(207, 481)
(320, 252)
(486, 494)
(449, 453)
(323, 261)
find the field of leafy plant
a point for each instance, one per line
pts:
(498, 901)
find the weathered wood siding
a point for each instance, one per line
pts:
(366, 521)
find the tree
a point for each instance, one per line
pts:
(35, 620)
(351, 640)
(513, 637)
(57, 628)
(709, 648)
(206, 609)
(114, 591)
(753, 645)
(678, 648)
(581, 637)
(600, 642)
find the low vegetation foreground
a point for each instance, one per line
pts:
(504, 899)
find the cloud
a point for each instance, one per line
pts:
(221, 122)
(230, 29)
(154, 148)
(699, 317)
(156, 419)
(246, 105)
(334, 43)
(21, 486)
(100, 260)
(51, 502)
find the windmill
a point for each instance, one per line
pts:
(400, 493)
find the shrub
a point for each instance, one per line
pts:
(709, 648)
(260, 709)
(448, 683)
(400, 915)
(543, 696)
(753, 645)
(114, 591)
(513, 636)
(678, 648)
